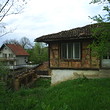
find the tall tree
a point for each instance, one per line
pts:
(9, 7)
(101, 34)
(25, 43)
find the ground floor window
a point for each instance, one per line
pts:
(106, 61)
(11, 63)
(107, 56)
(70, 50)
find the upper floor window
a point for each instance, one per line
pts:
(4, 55)
(10, 55)
(5, 48)
(70, 50)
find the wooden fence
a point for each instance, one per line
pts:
(24, 79)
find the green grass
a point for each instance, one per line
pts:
(79, 94)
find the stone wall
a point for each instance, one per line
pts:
(86, 61)
(43, 67)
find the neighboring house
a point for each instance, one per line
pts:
(69, 53)
(13, 54)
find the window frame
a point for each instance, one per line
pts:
(5, 55)
(73, 51)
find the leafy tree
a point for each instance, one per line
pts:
(39, 53)
(106, 8)
(101, 34)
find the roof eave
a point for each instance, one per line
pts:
(54, 40)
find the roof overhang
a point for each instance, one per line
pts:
(81, 33)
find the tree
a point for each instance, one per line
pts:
(101, 34)
(11, 41)
(25, 43)
(106, 9)
(4, 71)
(9, 7)
(39, 53)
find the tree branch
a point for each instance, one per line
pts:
(4, 6)
(6, 12)
(4, 34)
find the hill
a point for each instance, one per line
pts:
(79, 94)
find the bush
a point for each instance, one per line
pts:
(3, 71)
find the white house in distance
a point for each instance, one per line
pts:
(13, 54)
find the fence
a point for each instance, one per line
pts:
(24, 79)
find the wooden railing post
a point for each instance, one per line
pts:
(16, 84)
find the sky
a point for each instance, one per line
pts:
(42, 17)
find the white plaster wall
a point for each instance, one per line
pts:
(58, 75)
(7, 51)
(21, 60)
(106, 63)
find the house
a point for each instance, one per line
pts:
(70, 56)
(13, 54)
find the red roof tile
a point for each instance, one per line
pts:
(17, 49)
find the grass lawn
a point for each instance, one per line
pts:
(79, 94)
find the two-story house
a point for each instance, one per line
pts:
(13, 54)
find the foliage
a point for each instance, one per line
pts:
(101, 43)
(79, 94)
(39, 53)
(3, 72)
(5, 82)
(101, 34)
(106, 8)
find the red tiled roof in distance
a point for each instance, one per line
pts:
(17, 49)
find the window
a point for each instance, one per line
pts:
(11, 63)
(10, 55)
(70, 50)
(4, 55)
(5, 48)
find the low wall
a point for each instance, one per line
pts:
(58, 75)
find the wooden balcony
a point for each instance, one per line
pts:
(7, 59)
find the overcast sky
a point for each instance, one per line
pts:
(41, 17)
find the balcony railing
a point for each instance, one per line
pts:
(22, 66)
(7, 59)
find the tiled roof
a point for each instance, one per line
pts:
(17, 49)
(76, 33)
